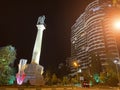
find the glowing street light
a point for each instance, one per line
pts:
(78, 70)
(75, 64)
(116, 24)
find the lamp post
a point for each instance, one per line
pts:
(116, 25)
(77, 66)
(116, 63)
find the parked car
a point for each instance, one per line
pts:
(85, 84)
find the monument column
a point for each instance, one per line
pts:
(38, 41)
(33, 70)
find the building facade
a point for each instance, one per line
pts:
(93, 33)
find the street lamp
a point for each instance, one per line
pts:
(116, 63)
(77, 66)
(117, 24)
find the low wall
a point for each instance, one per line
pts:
(58, 88)
(11, 89)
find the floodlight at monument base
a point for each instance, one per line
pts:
(20, 76)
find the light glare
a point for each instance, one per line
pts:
(75, 64)
(117, 25)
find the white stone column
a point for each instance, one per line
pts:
(38, 44)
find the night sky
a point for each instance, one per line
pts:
(18, 20)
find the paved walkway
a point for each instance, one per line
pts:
(57, 88)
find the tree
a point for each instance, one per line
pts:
(74, 80)
(7, 57)
(63, 70)
(103, 77)
(95, 67)
(65, 80)
(109, 77)
(47, 78)
(54, 79)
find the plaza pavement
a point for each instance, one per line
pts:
(55, 88)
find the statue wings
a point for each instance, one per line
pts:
(41, 20)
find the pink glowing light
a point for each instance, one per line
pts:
(20, 78)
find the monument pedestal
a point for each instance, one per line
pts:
(33, 73)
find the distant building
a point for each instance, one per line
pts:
(93, 33)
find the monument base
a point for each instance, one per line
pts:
(34, 74)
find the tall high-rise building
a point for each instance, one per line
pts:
(93, 33)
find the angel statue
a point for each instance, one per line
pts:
(41, 20)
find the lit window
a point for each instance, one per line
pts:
(109, 5)
(83, 34)
(95, 9)
(73, 42)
